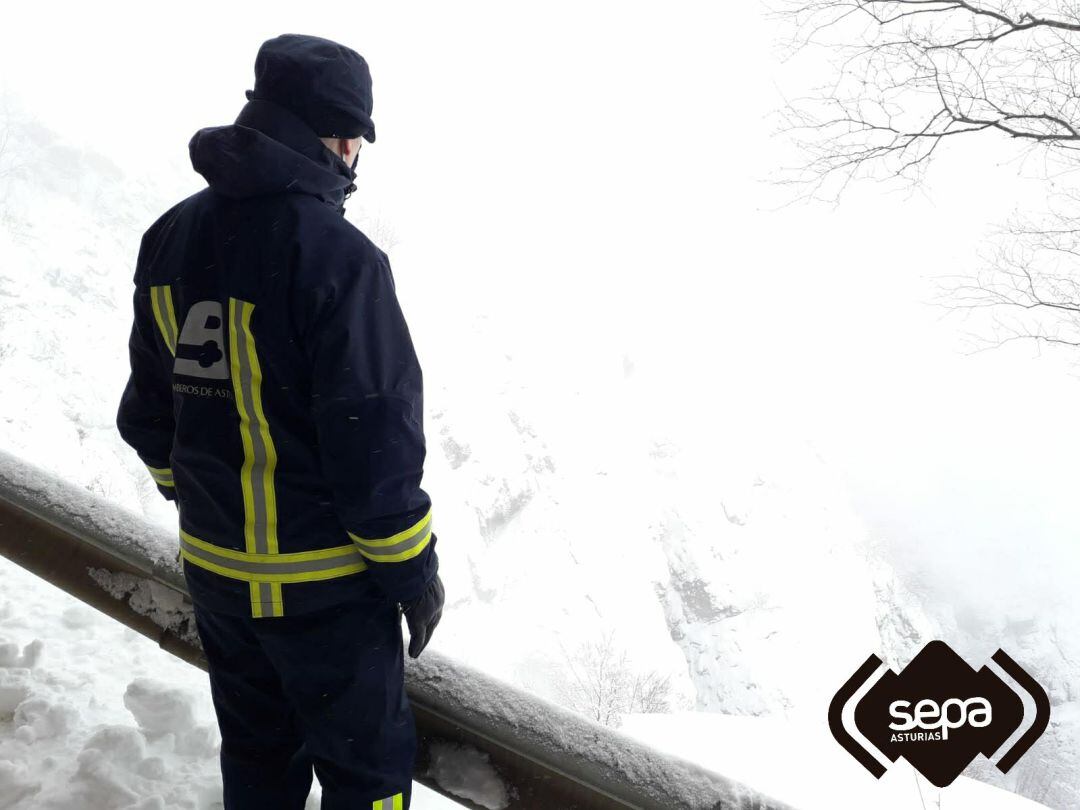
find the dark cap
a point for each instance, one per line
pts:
(324, 83)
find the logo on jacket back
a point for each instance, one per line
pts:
(939, 713)
(200, 351)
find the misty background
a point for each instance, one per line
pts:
(577, 202)
(587, 185)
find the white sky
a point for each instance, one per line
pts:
(592, 174)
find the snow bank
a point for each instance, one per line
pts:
(574, 745)
(802, 764)
(166, 607)
(467, 772)
(94, 716)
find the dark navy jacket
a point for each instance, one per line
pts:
(274, 388)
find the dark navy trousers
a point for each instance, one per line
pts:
(323, 690)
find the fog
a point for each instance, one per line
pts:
(588, 188)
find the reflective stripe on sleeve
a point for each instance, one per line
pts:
(399, 547)
(395, 802)
(165, 314)
(162, 476)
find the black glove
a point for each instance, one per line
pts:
(423, 614)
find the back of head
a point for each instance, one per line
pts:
(307, 89)
(326, 84)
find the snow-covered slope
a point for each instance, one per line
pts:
(578, 507)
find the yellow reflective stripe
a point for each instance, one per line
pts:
(248, 557)
(299, 576)
(395, 802)
(266, 599)
(399, 547)
(161, 475)
(260, 456)
(400, 556)
(267, 572)
(165, 315)
(171, 314)
(270, 462)
(256, 600)
(245, 428)
(400, 537)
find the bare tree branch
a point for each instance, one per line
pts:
(913, 73)
(911, 77)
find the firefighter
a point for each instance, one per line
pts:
(276, 397)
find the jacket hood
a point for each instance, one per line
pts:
(269, 150)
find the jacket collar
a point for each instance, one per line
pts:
(270, 150)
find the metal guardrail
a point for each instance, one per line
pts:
(550, 758)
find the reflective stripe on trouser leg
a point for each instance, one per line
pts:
(260, 456)
(165, 315)
(389, 803)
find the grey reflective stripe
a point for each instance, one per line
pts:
(415, 532)
(163, 302)
(348, 556)
(244, 391)
(162, 478)
(265, 596)
(405, 545)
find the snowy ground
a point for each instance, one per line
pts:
(801, 764)
(93, 716)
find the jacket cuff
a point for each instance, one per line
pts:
(163, 477)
